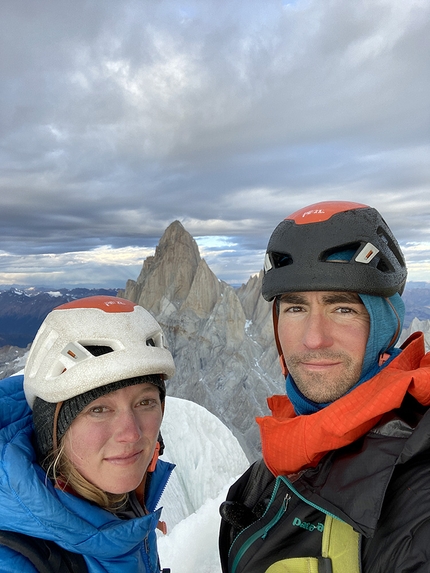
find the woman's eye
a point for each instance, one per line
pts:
(148, 402)
(97, 410)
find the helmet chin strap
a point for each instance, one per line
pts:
(384, 356)
(278, 344)
(399, 323)
(55, 426)
(154, 460)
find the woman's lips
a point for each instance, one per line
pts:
(124, 459)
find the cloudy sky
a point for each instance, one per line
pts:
(118, 117)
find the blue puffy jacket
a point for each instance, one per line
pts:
(29, 504)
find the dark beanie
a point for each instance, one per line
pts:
(43, 412)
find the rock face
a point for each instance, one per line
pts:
(12, 360)
(221, 338)
(417, 325)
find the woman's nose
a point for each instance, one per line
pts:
(128, 427)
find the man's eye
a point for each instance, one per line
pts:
(293, 309)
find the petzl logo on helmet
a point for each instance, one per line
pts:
(314, 212)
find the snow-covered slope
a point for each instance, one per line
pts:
(208, 459)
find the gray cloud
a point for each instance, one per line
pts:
(118, 117)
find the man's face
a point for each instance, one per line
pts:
(323, 336)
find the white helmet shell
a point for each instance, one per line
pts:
(60, 367)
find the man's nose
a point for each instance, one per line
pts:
(317, 333)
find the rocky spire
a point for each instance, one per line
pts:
(170, 272)
(221, 338)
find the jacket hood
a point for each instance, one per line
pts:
(31, 505)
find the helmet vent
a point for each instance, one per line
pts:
(280, 260)
(391, 245)
(98, 350)
(341, 254)
(150, 342)
(383, 267)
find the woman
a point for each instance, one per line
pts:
(79, 442)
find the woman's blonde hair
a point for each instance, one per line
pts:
(64, 474)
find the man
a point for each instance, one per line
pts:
(344, 485)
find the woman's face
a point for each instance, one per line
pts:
(112, 441)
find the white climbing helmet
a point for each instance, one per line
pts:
(62, 362)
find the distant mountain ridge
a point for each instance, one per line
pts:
(22, 311)
(417, 302)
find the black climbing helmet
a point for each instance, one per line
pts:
(334, 245)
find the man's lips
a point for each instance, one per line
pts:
(320, 365)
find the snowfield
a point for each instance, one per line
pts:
(208, 459)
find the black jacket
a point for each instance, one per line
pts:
(380, 484)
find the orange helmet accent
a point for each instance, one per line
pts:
(106, 303)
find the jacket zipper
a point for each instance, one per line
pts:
(261, 533)
(300, 496)
(160, 490)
